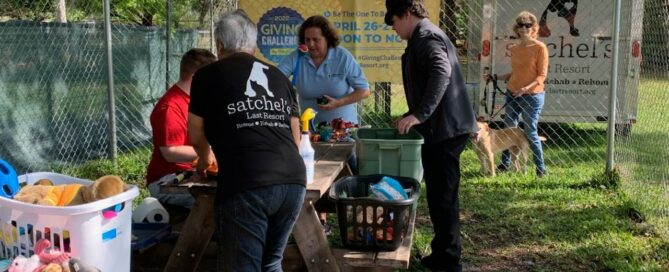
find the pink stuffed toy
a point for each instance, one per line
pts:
(49, 256)
(44, 260)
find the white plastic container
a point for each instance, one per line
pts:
(81, 230)
(307, 153)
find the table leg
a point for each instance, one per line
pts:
(194, 237)
(312, 242)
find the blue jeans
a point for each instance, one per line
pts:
(530, 106)
(253, 227)
(185, 200)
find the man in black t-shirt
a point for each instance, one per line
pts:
(246, 110)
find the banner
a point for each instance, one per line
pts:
(376, 46)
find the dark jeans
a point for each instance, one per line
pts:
(253, 227)
(441, 164)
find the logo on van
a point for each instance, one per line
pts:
(565, 9)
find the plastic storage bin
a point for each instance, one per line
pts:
(385, 151)
(146, 235)
(82, 230)
(367, 223)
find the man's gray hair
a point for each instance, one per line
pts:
(236, 31)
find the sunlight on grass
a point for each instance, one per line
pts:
(644, 156)
(571, 220)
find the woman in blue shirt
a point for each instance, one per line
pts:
(328, 70)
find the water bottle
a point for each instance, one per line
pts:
(307, 153)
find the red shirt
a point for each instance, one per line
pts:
(169, 122)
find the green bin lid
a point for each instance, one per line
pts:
(387, 134)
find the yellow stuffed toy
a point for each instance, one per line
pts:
(70, 194)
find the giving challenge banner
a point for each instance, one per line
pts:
(360, 23)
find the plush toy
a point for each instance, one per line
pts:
(77, 265)
(45, 259)
(23, 264)
(53, 267)
(54, 259)
(71, 194)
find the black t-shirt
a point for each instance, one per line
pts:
(246, 105)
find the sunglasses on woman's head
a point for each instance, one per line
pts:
(525, 25)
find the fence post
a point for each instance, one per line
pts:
(168, 34)
(614, 90)
(110, 84)
(212, 44)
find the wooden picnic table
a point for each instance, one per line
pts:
(312, 244)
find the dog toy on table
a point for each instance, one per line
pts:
(212, 170)
(71, 194)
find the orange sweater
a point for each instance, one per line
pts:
(528, 63)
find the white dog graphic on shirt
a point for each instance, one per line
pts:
(258, 76)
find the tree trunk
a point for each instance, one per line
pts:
(61, 11)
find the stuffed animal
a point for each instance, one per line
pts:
(23, 264)
(77, 265)
(45, 259)
(53, 259)
(71, 194)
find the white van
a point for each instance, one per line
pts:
(579, 37)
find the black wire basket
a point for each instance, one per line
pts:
(369, 223)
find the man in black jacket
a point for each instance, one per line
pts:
(440, 110)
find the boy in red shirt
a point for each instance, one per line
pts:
(172, 151)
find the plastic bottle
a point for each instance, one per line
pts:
(306, 150)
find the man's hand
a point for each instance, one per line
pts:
(202, 165)
(403, 125)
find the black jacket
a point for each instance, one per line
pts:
(434, 87)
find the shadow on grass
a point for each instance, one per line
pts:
(567, 221)
(552, 228)
(646, 155)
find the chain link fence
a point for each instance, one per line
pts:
(643, 156)
(580, 37)
(54, 85)
(54, 92)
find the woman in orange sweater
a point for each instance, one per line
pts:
(525, 95)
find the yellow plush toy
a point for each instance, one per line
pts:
(71, 194)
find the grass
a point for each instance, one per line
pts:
(568, 221)
(643, 156)
(575, 219)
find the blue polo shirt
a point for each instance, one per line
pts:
(338, 76)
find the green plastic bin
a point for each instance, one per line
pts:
(385, 151)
